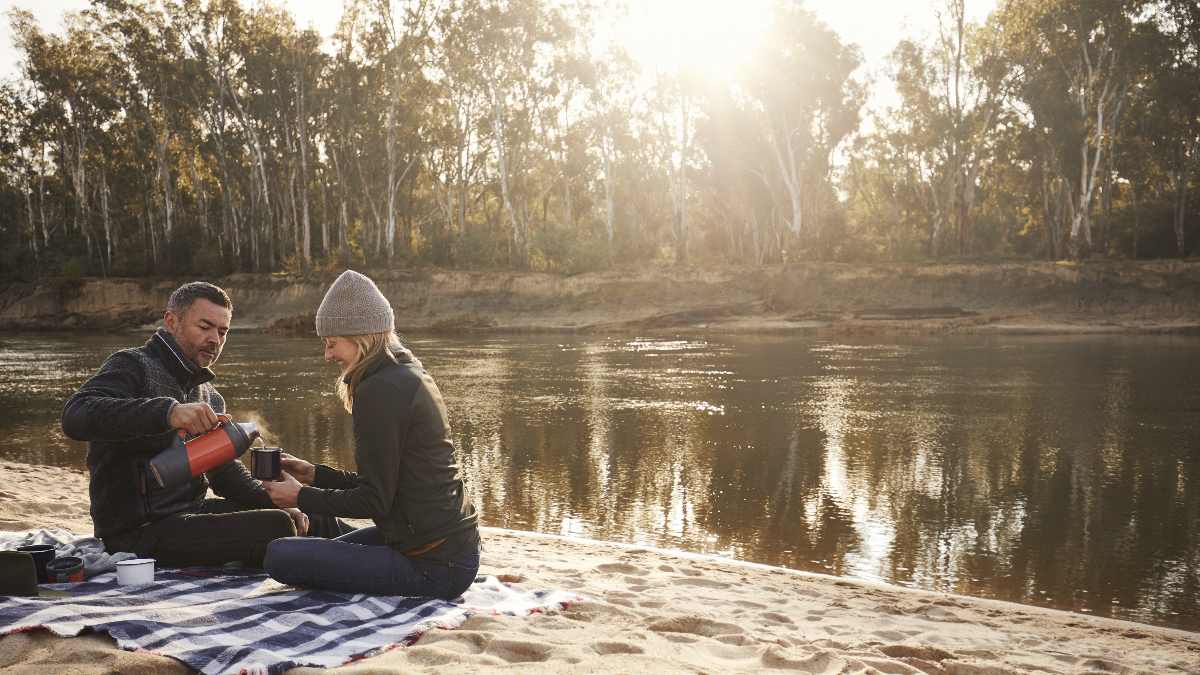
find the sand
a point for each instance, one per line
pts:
(650, 610)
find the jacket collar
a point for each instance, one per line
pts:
(163, 345)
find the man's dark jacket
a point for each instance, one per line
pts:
(123, 413)
(407, 480)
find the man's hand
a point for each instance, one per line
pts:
(301, 520)
(283, 492)
(194, 418)
(302, 470)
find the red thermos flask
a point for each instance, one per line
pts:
(184, 460)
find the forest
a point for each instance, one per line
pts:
(160, 137)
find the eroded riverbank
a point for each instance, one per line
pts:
(1027, 297)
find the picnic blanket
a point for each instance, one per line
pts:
(90, 549)
(219, 620)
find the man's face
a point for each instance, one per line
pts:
(200, 331)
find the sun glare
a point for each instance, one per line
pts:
(711, 38)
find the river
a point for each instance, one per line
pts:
(1057, 471)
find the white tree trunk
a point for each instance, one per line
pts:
(343, 217)
(302, 132)
(389, 234)
(33, 233)
(1108, 102)
(610, 216)
(1180, 179)
(517, 227)
(108, 237)
(164, 181)
(42, 196)
(779, 137)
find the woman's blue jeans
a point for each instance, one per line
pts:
(359, 562)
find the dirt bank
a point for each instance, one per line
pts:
(1006, 297)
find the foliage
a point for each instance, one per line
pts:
(204, 136)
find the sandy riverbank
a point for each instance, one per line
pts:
(660, 611)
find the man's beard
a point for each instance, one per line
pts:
(205, 358)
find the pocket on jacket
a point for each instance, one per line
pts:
(160, 502)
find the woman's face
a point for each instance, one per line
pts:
(341, 350)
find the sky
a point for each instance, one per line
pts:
(655, 33)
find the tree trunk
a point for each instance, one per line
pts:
(302, 133)
(1137, 222)
(259, 161)
(108, 237)
(1052, 209)
(1109, 101)
(151, 228)
(376, 219)
(1106, 200)
(164, 178)
(679, 185)
(389, 234)
(519, 240)
(1179, 212)
(606, 151)
(789, 172)
(343, 215)
(42, 197)
(33, 233)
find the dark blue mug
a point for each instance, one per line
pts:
(42, 554)
(266, 463)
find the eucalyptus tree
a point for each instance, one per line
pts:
(144, 42)
(343, 90)
(211, 36)
(16, 180)
(1139, 165)
(889, 196)
(395, 40)
(515, 43)
(494, 72)
(1170, 120)
(674, 105)
(457, 149)
(738, 180)
(608, 108)
(1075, 61)
(308, 63)
(74, 75)
(951, 95)
(806, 103)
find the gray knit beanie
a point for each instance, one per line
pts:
(353, 305)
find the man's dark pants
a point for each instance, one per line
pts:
(217, 532)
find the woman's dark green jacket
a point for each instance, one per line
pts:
(408, 478)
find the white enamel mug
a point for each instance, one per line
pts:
(135, 572)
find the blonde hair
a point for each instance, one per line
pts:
(372, 348)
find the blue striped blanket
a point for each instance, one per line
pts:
(217, 621)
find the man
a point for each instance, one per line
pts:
(133, 408)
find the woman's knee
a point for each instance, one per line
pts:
(282, 555)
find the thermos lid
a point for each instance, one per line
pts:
(248, 429)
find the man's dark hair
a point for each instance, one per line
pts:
(185, 295)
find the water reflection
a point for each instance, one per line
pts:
(1056, 471)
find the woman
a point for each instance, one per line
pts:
(425, 541)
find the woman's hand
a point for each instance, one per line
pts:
(300, 518)
(302, 470)
(284, 492)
